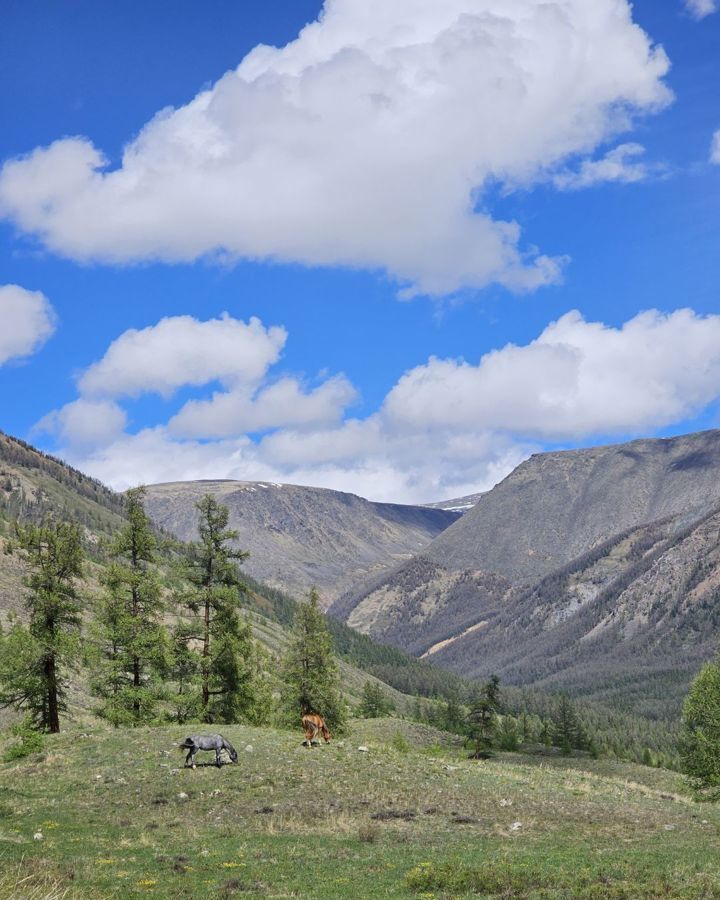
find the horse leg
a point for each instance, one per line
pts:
(218, 762)
(189, 756)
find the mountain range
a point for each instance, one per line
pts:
(303, 537)
(593, 571)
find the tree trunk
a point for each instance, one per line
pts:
(53, 715)
(206, 661)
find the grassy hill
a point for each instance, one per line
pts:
(118, 816)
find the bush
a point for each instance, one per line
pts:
(399, 742)
(28, 741)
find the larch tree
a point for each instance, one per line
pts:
(700, 744)
(229, 659)
(482, 719)
(134, 649)
(373, 702)
(310, 672)
(35, 659)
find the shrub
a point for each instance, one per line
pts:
(28, 741)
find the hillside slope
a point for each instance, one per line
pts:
(118, 816)
(556, 506)
(628, 618)
(300, 537)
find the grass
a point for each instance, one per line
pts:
(119, 817)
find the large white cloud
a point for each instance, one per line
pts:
(366, 142)
(448, 427)
(27, 320)
(181, 350)
(577, 379)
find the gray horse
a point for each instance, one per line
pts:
(214, 742)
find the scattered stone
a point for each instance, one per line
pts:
(451, 768)
(164, 765)
(386, 815)
(249, 748)
(669, 828)
(174, 771)
(505, 802)
(183, 796)
(516, 826)
(98, 778)
(364, 749)
(38, 836)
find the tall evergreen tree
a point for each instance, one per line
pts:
(700, 745)
(134, 646)
(482, 720)
(310, 672)
(228, 657)
(34, 660)
(374, 703)
(568, 733)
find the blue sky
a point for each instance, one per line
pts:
(350, 190)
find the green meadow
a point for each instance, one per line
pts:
(112, 813)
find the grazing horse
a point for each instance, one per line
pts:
(313, 724)
(214, 742)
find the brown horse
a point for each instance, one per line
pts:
(314, 724)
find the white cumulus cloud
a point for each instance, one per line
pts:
(85, 423)
(282, 403)
(181, 350)
(365, 142)
(27, 320)
(576, 379)
(448, 427)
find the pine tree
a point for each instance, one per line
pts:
(310, 672)
(374, 703)
(229, 659)
(482, 719)
(567, 733)
(34, 660)
(452, 715)
(700, 746)
(134, 646)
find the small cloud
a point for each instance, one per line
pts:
(715, 149)
(27, 320)
(622, 165)
(698, 9)
(85, 423)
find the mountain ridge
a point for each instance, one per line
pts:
(300, 537)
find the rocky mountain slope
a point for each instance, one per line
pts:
(299, 537)
(595, 571)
